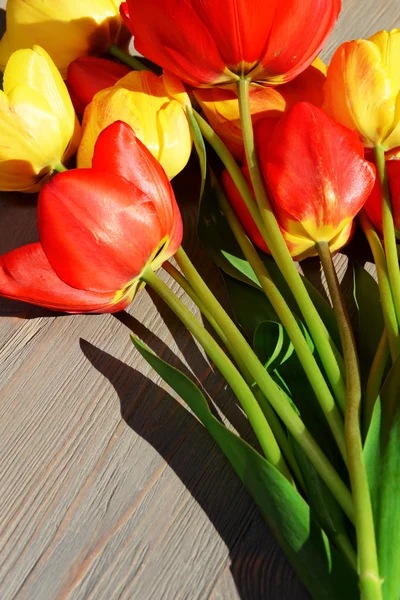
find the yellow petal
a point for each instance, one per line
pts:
(362, 87)
(66, 28)
(140, 99)
(35, 69)
(30, 140)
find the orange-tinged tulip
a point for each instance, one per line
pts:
(65, 28)
(373, 205)
(155, 109)
(221, 106)
(317, 176)
(99, 229)
(38, 125)
(362, 89)
(205, 42)
(88, 75)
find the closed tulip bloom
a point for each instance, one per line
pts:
(373, 205)
(38, 125)
(317, 177)
(208, 43)
(66, 29)
(362, 90)
(88, 75)
(221, 106)
(99, 229)
(155, 109)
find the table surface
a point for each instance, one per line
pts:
(109, 487)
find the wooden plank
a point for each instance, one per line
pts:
(110, 488)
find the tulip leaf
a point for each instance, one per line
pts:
(322, 503)
(322, 569)
(241, 297)
(370, 317)
(382, 460)
(275, 350)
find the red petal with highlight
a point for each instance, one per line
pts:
(314, 168)
(119, 151)
(26, 274)
(98, 230)
(171, 34)
(299, 32)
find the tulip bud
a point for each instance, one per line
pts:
(362, 89)
(38, 125)
(221, 106)
(207, 43)
(155, 109)
(317, 176)
(88, 75)
(373, 205)
(66, 29)
(99, 229)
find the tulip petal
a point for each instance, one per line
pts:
(142, 100)
(87, 75)
(26, 274)
(178, 45)
(35, 69)
(316, 172)
(119, 151)
(362, 88)
(66, 28)
(300, 30)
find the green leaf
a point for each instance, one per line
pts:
(324, 506)
(275, 349)
(321, 568)
(242, 297)
(388, 496)
(370, 316)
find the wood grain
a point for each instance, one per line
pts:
(109, 487)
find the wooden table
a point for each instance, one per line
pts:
(109, 487)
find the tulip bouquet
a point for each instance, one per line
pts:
(292, 156)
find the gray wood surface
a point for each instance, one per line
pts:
(109, 487)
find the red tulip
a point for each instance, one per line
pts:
(99, 229)
(205, 42)
(317, 176)
(373, 205)
(87, 75)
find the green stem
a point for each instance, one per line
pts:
(227, 369)
(59, 168)
(388, 308)
(267, 409)
(370, 583)
(374, 382)
(279, 250)
(288, 320)
(126, 58)
(274, 394)
(389, 236)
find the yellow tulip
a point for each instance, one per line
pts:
(66, 29)
(221, 106)
(155, 109)
(38, 125)
(362, 89)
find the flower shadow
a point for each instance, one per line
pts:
(259, 568)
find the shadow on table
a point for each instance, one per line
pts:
(258, 567)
